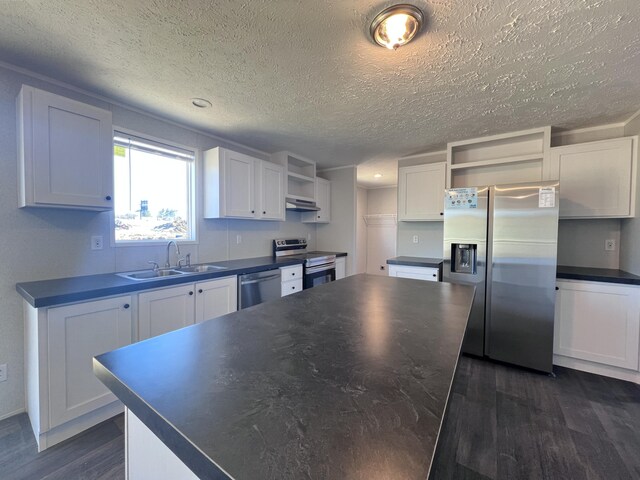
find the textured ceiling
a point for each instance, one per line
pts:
(304, 76)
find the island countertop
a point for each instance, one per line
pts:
(346, 380)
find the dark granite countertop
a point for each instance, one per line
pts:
(416, 261)
(346, 380)
(608, 275)
(46, 293)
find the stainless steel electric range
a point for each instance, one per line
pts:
(319, 267)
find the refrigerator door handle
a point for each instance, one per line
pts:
(487, 291)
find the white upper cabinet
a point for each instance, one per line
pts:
(240, 186)
(229, 184)
(597, 179)
(270, 179)
(65, 152)
(323, 202)
(421, 192)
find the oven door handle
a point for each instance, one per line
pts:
(320, 268)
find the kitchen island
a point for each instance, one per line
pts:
(346, 380)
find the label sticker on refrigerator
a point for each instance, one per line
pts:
(461, 198)
(547, 197)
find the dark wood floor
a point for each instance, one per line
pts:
(96, 454)
(505, 423)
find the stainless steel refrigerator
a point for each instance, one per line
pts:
(503, 239)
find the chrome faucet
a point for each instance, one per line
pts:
(168, 263)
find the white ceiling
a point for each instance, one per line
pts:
(304, 76)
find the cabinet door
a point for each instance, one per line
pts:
(598, 322)
(421, 192)
(323, 199)
(238, 184)
(165, 310)
(216, 298)
(417, 273)
(323, 202)
(76, 333)
(271, 191)
(341, 268)
(595, 178)
(71, 152)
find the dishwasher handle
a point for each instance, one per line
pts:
(259, 280)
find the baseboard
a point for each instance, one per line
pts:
(77, 425)
(11, 414)
(597, 368)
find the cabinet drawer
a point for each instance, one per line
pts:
(290, 287)
(291, 273)
(417, 273)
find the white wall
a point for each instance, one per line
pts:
(630, 234)
(381, 239)
(340, 234)
(382, 200)
(581, 243)
(37, 244)
(361, 230)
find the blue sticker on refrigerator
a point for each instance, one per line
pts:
(461, 198)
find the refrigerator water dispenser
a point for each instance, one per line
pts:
(464, 258)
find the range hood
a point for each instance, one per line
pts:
(295, 205)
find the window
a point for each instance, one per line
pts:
(154, 198)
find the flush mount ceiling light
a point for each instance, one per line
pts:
(377, 175)
(396, 26)
(201, 102)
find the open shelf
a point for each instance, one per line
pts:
(301, 197)
(300, 178)
(499, 161)
(507, 158)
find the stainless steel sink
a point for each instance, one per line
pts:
(150, 274)
(201, 268)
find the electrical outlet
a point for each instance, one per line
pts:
(238, 239)
(610, 245)
(96, 242)
(3, 372)
(415, 239)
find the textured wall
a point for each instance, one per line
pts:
(37, 244)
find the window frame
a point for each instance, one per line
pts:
(192, 188)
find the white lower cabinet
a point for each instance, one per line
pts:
(291, 280)
(341, 268)
(216, 298)
(429, 274)
(168, 309)
(597, 323)
(164, 310)
(63, 395)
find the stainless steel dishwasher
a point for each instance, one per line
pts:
(255, 288)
